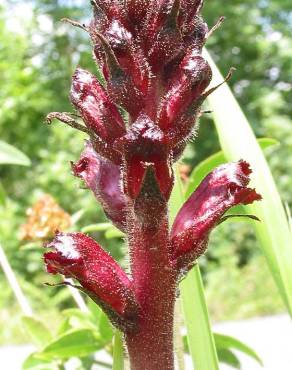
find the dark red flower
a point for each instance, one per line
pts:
(188, 15)
(77, 256)
(103, 178)
(145, 144)
(137, 10)
(95, 107)
(223, 188)
(192, 78)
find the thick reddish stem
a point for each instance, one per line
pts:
(151, 346)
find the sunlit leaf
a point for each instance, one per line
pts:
(10, 155)
(96, 227)
(227, 342)
(77, 343)
(34, 363)
(226, 356)
(105, 329)
(113, 233)
(31, 246)
(2, 195)
(78, 318)
(38, 332)
(118, 353)
(239, 142)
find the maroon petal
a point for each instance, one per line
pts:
(136, 10)
(143, 145)
(130, 57)
(80, 257)
(167, 43)
(192, 78)
(104, 179)
(189, 10)
(223, 188)
(95, 107)
(112, 9)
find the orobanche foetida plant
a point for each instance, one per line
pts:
(138, 123)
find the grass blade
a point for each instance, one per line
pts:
(77, 296)
(224, 342)
(23, 302)
(238, 141)
(199, 334)
(118, 353)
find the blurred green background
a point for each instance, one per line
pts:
(38, 55)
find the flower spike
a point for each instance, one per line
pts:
(139, 123)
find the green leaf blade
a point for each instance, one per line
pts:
(118, 353)
(228, 357)
(199, 334)
(224, 342)
(77, 343)
(37, 331)
(239, 142)
(32, 362)
(11, 155)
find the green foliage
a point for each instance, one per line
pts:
(226, 342)
(199, 334)
(110, 231)
(35, 363)
(77, 343)
(10, 155)
(79, 335)
(236, 293)
(225, 345)
(118, 353)
(228, 357)
(40, 335)
(240, 142)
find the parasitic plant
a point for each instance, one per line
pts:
(138, 124)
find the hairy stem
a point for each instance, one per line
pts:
(151, 346)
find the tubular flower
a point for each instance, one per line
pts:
(103, 178)
(223, 188)
(138, 122)
(95, 107)
(77, 256)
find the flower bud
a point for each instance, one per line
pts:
(95, 107)
(104, 179)
(223, 188)
(130, 56)
(164, 39)
(193, 77)
(77, 256)
(136, 10)
(143, 145)
(111, 8)
(189, 10)
(119, 84)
